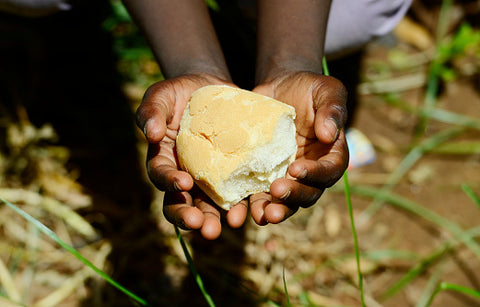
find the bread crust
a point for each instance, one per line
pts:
(221, 128)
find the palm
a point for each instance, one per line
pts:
(169, 98)
(159, 116)
(322, 154)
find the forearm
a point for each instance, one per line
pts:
(181, 36)
(291, 36)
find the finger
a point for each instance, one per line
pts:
(266, 209)
(258, 203)
(278, 212)
(212, 226)
(178, 209)
(325, 171)
(294, 194)
(167, 178)
(237, 215)
(154, 112)
(152, 120)
(163, 171)
(330, 102)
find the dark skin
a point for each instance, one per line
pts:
(322, 154)
(283, 71)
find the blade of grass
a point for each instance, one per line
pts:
(410, 206)
(212, 4)
(326, 71)
(350, 212)
(44, 229)
(433, 79)
(414, 272)
(458, 148)
(437, 114)
(405, 165)
(441, 251)
(271, 303)
(453, 118)
(389, 254)
(471, 194)
(198, 279)
(355, 239)
(445, 286)
(285, 287)
(430, 288)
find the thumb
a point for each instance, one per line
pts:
(154, 113)
(330, 101)
(153, 123)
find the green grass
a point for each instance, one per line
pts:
(446, 286)
(191, 265)
(52, 235)
(350, 213)
(471, 194)
(285, 287)
(410, 159)
(355, 239)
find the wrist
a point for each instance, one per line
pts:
(204, 68)
(291, 36)
(277, 66)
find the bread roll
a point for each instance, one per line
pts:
(235, 142)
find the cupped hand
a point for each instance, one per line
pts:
(322, 156)
(159, 118)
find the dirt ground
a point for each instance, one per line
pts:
(438, 188)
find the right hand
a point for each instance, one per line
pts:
(159, 118)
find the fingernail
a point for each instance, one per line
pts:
(147, 127)
(181, 224)
(176, 186)
(286, 195)
(333, 129)
(302, 175)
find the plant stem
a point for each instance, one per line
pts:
(354, 234)
(407, 163)
(198, 279)
(350, 212)
(471, 194)
(41, 227)
(408, 205)
(433, 79)
(453, 287)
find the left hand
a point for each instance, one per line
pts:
(322, 156)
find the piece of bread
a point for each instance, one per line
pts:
(235, 142)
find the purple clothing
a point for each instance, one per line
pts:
(34, 8)
(353, 23)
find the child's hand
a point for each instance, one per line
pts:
(159, 118)
(322, 157)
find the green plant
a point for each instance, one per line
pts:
(135, 60)
(52, 235)
(191, 265)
